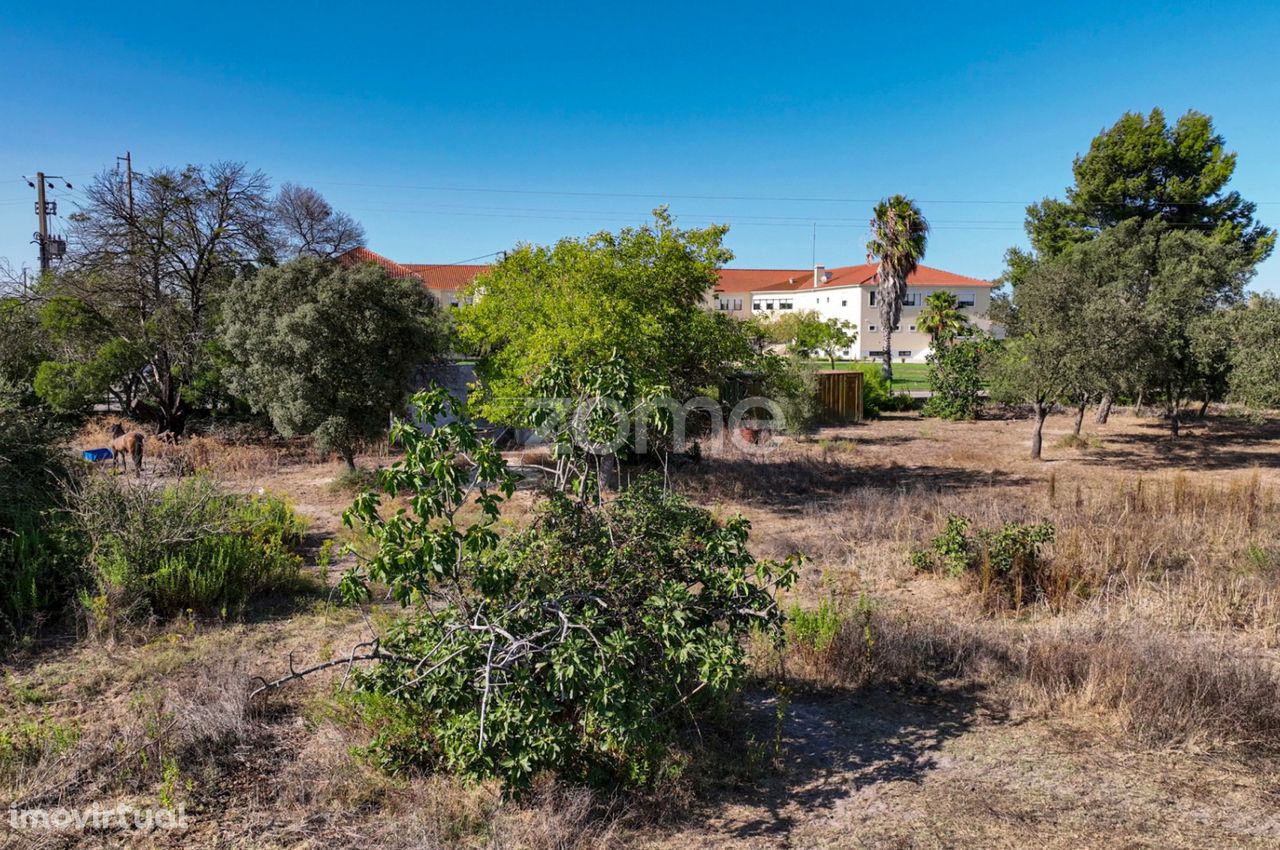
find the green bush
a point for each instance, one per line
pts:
(40, 553)
(815, 630)
(190, 547)
(792, 383)
(1006, 561)
(952, 551)
(955, 377)
(584, 644)
(877, 397)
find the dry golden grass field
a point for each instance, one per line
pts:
(1135, 704)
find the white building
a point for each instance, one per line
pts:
(849, 293)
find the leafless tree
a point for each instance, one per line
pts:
(306, 225)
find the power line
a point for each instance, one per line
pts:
(458, 262)
(706, 197)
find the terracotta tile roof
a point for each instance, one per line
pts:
(747, 280)
(446, 277)
(455, 277)
(865, 273)
(360, 254)
(442, 277)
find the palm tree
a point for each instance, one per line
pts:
(899, 234)
(941, 318)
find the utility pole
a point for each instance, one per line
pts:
(128, 180)
(50, 246)
(42, 210)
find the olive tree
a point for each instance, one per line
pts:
(328, 350)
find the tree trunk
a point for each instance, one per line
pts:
(1204, 407)
(1037, 436)
(1175, 418)
(349, 458)
(169, 418)
(1080, 416)
(887, 366)
(1137, 405)
(1104, 410)
(607, 472)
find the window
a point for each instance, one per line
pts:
(912, 328)
(873, 298)
(784, 305)
(874, 355)
(911, 299)
(966, 299)
(871, 328)
(844, 303)
(733, 304)
(904, 353)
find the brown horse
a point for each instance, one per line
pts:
(124, 446)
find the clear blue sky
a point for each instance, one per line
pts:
(455, 130)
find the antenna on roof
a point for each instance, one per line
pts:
(813, 259)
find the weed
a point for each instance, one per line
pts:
(816, 630)
(190, 548)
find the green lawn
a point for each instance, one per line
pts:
(906, 376)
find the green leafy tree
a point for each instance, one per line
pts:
(955, 377)
(23, 345)
(899, 235)
(941, 318)
(806, 332)
(834, 337)
(1039, 366)
(1186, 278)
(1142, 168)
(583, 644)
(1156, 179)
(1255, 352)
(145, 275)
(640, 292)
(328, 350)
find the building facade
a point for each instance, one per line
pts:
(850, 292)
(844, 292)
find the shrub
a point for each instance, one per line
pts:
(191, 547)
(792, 383)
(877, 396)
(815, 630)
(583, 645)
(40, 553)
(955, 376)
(1006, 561)
(952, 550)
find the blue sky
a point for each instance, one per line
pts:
(457, 130)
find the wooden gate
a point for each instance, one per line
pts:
(840, 394)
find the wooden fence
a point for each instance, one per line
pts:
(840, 394)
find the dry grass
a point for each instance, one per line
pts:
(897, 734)
(1159, 690)
(1149, 689)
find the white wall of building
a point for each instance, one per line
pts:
(855, 304)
